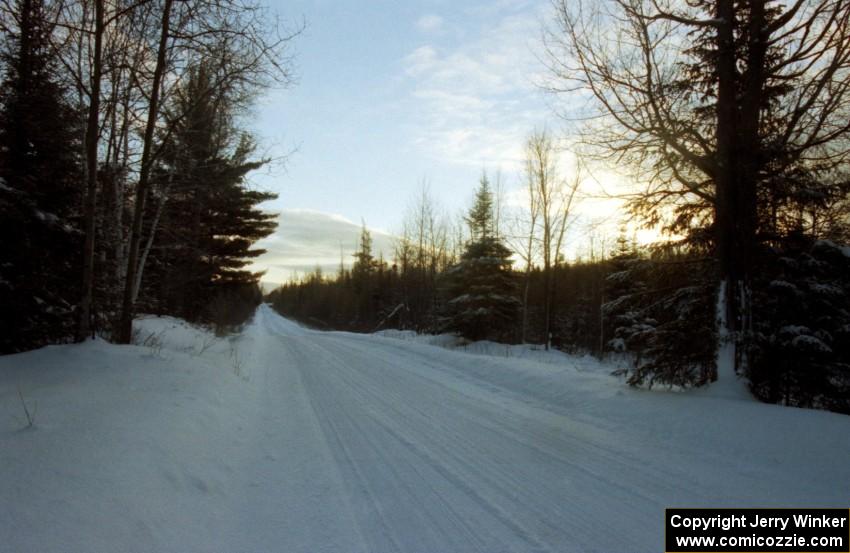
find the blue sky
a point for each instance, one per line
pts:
(388, 95)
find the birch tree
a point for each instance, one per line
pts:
(552, 197)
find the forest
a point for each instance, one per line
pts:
(732, 118)
(124, 160)
(423, 276)
(125, 155)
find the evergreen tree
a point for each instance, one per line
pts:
(364, 283)
(480, 218)
(623, 288)
(364, 263)
(211, 220)
(39, 202)
(480, 289)
(801, 354)
(660, 309)
(737, 130)
(772, 187)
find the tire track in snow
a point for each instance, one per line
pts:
(362, 450)
(470, 469)
(515, 486)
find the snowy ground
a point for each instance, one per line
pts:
(284, 439)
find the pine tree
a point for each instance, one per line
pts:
(39, 201)
(211, 220)
(480, 289)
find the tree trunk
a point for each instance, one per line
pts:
(149, 243)
(750, 162)
(725, 201)
(739, 105)
(547, 305)
(92, 132)
(125, 325)
(525, 306)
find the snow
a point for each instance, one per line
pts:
(49, 218)
(784, 285)
(729, 384)
(286, 439)
(617, 344)
(810, 343)
(531, 352)
(844, 249)
(794, 330)
(826, 289)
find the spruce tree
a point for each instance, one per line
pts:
(801, 355)
(364, 283)
(624, 285)
(364, 262)
(659, 311)
(480, 218)
(39, 201)
(480, 289)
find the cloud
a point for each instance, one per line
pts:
(429, 23)
(477, 100)
(420, 61)
(306, 239)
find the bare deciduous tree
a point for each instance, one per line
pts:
(708, 103)
(521, 238)
(552, 198)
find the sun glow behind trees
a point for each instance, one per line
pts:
(690, 120)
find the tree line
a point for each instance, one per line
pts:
(123, 163)
(651, 310)
(732, 119)
(124, 157)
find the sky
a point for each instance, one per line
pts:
(390, 96)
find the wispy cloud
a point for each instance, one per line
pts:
(429, 23)
(473, 97)
(421, 61)
(306, 239)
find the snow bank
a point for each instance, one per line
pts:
(287, 439)
(129, 444)
(170, 333)
(528, 352)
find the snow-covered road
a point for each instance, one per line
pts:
(339, 442)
